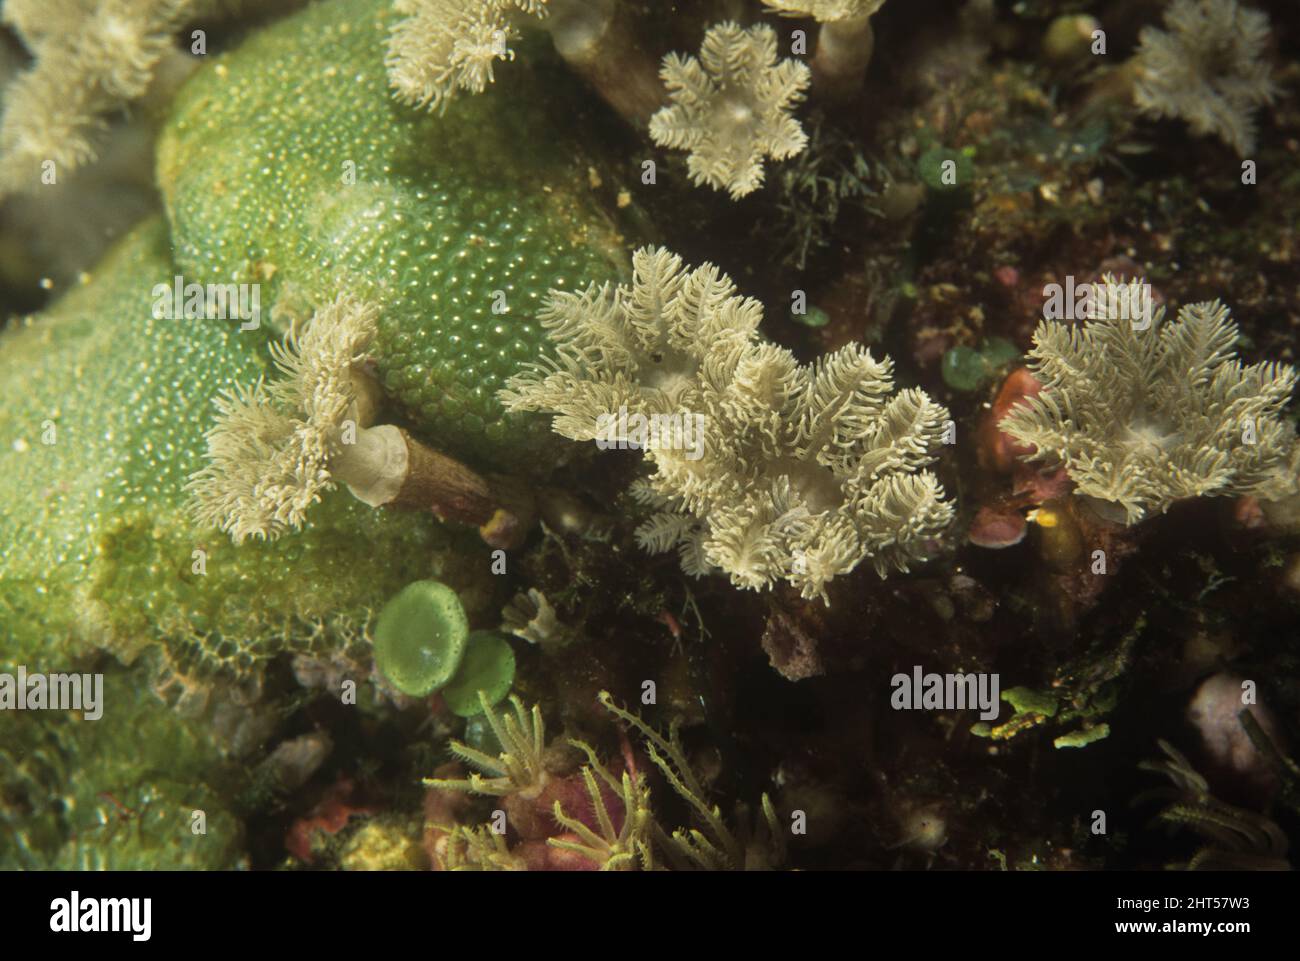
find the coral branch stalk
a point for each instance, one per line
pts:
(596, 40)
(844, 49)
(387, 467)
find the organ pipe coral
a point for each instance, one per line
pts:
(286, 690)
(764, 468)
(447, 47)
(826, 11)
(91, 58)
(1142, 413)
(1207, 69)
(272, 448)
(600, 42)
(731, 107)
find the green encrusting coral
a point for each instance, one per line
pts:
(446, 219)
(288, 163)
(103, 421)
(120, 792)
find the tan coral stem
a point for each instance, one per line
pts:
(596, 40)
(844, 49)
(387, 467)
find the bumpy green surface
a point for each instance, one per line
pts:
(445, 211)
(118, 792)
(99, 548)
(420, 637)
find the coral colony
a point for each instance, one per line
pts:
(806, 470)
(730, 108)
(1208, 69)
(604, 435)
(1143, 413)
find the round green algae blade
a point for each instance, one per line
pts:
(814, 317)
(944, 170)
(964, 368)
(420, 638)
(489, 666)
(998, 352)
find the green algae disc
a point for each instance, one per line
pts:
(489, 666)
(420, 638)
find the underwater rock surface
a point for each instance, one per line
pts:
(860, 543)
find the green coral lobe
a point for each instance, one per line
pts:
(103, 423)
(288, 163)
(118, 792)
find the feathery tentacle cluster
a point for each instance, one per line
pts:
(764, 468)
(91, 56)
(731, 107)
(1208, 69)
(845, 40)
(1143, 413)
(825, 11)
(519, 769)
(447, 46)
(269, 454)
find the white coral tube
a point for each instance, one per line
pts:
(374, 467)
